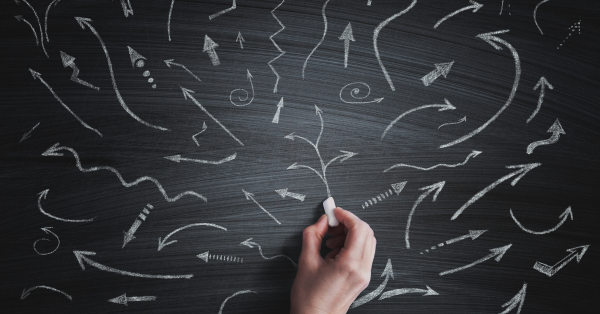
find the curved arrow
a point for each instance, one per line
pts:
(442, 107)
(395, 292)
(542, 84)
(53, 3)
(43, 194)
(163, 242)
(281, 52)
(83, 22)
(251, 245)
(566, 214)
(491, 39)
(26, 292)
(212, 16)
(39, 24)
(457, 122)
(497, 254)
(170, 62)
(518, 299)
(177, 158)
(249, 76)
(437, 187)
(53, 151)
(474, 5)
(376, 34)
(576, 252)
(20, 18)
(354, 93)
(387, 272)
(322, 38)
(235, 294)
(556, 130)
(473, 154)
(46, 230)
(535, 19)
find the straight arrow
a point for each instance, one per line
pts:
(240, 40)
(556, 130)
(250, 196)
(124, 299)
(347, 37)
(395, 292)
(473, 234)
(278, 112)
(442, 107)
(251, 245)
(28, 134)
(497, 254)
(428, 190)
(129, 235)
(178, 158)
(576, 252)
(284, 193)
(387, 272)
(163, 242)
(474, 5)
(170, 62)
(517, 300)
(209, 47)
(206, 256)
(542, 84)
(440, 69)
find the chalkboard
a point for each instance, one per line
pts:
(165, 156)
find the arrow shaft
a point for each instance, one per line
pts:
(169, 21)
(28, 134)
(40, 26)
(136, 224)
(187, 70)
(432, 167)
(432, 76)
(48, 288)
(193, 225)
(539, 104)
(535, 17)
(346, 51)
(215, 119)
(58, 218)
(214, 58)
(553, 139)
(412, 211)
(409, 112)
(450, 123)
(37, 42)
(235, 294)
(479, 261)
(224, 160)
(54, 2)
(274, 256)
(371, 295)
(75, 74)
(295, 195)
(551, 270)
(538, 232)
(142, 298)
(395, 292)
(266, 211)
(322, 37)
(132, 274)
(453, 14)
(276, 117)
(466, 236)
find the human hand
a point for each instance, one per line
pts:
(329, 285)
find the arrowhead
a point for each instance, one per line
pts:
(239, 37)
(19, 17)
(347, 34)
(430, 188)
(247, 194)
(122, 299)
(568, 211)
(556, 128)
(248, 75)
(169, 62)
(523, 171)
(175, 158)
(499, 252)
(186, 92)
(162, 244)
(474, 234)
(318, 110)
(490, 38)
(81, 256)
(290, 136)
(543, 81)
(25, 293)
(66, 59)
(47, 229)
(209, 44)
(444, 68)
(134, 56)
(248, 243)
(83, 21)
(448, 106)
(127, 237)
(280, 104)
(378, 100)
(44, 193)
(203, 256)
(282, 192)
(518, 298)
(347, 155)
(388, 271)
(476, 153)
(398, 187)
(476, 6)
(580, 250)
(430, 292)
(34, 74)
(294, 166)
(52, 151)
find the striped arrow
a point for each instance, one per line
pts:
(284, 193)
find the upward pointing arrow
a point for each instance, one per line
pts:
(497, 254)
(428, 190)
(209, 47)
(440, 69)
(551, 270)
(556, 130)
(279, 106)
(347, 37)
(387, 272)
(518, 299)
(240, 39)
(542, 84)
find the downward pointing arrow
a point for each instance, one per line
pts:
(440, 69)
(556, 130)
(347, 37)
(551, 270)
(497, 254)
(250, 196)
(28, 134)
(123, 299)
(387, 272)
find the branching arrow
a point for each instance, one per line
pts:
(474, 5)
(347, 37)
(473, 154)
(497, 254)
(170, 62)
(491, 39)
(542, 84)
(26, 292)
(249, 77)
(194, 136)
(566, 214)
(551, 270)
(251, 245)
(163, 242)
(82, 258)
(235, 294)
(518, 299)
(54, 151)
(20, 18)
(124, 299)
(387, 272)
(523, 170)
(278, 112)
(440, 69)
(395, 292)
(209, 47)
(240, 40)
(281, 52)
(36, 76)
(47, 231)
(437, 187)
(28, 134)
(43, 194)
(442, 107)
(39, 24)
(284, 193)
(69, 61)
(177, 158)
(250, 196)
(556, 130)
(212, 16)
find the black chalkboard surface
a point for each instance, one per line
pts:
(165, 156)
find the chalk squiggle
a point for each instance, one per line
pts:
(322, 38)
(276, 45)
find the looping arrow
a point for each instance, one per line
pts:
(556, 130)
(566, 214)
(47, 231)
(355, 94)
(249, 77)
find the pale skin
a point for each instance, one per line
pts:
(329, 285)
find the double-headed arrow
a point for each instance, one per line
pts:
(170, 62)
(497, 254)
(517, 300)
(163, 242)
(576, 252)
(442, 107)
(178, 159)
(26, 292)
(440, 69)
(209, 47)
(251, 245)
(347, 37)
(556, 130)
(542, 84)
(387, 272)
(250, 196)
(437, 187)
(284, 193)
(69, 61)
(124, 299)
(474, 5)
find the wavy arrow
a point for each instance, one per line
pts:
(497, 254)
(177, 158)
(170, 62)
(124, 299)
(26, 292)
(437, 187)
(235, 294)
(518, 299)
(20, 18)
(53, 3)
(473, 154)
(442, 107)
(83, 22)
(551, 270)
(387, 272)
(212, 16)
(43, 194)
(54, 151)
(251, 245)
(457, 122)
(28, 134)
(322, 38)
(523, 170)
(541, 84)
(281, 52)
(250, 196)
(47, 231)
(440, 69)
(356, 91)
(347, 36)
(82, 256)
(204, 127)
(240, 40)
(395, 292)
(566, 214)
(556, 130)
(474, 5)
(163, 242)
(39, 24)
(249, 77)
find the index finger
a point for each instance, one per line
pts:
(357, 233)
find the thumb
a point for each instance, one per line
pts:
(312, 237)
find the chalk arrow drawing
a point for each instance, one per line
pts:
(566, 214)
(209, 48)
(576, 252)
(347, 36)
(442, 107)
(43, 195)
(284, 193)
(39, 24)
(240, 40)
(82, 258)
(124, 299)
(53, 3)
(212, 16)
(36, 76)
(28, 134)
(535, 15)
(387, 272)
(281, 52)
(473, 154)
(249, 77)
(457, 122)
(206, 256)
(541, 84)
(395, 292)
(473, 234)
(163, 242)
(376, 35)
(26, 292)
(496, 254)
(354, 92)
(523, 170)
(322, 38)
(55, 151)
(178, 159)
(556, 130)
(83, 22)
(188, 93)
(134, 56)
(491, 39)
(440, 69)
(69, 61)
(170, 62)
(398, 187)
(130, 234)
(251, 245)
(20, 18)
(127, 9)
(47, 231)
(278, 112)
(169, 21)
(234, 295)
(250, 196)
(194, 136)
(437, 187)
(517, 300)
(474, 5)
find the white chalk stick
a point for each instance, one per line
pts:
(329, 206)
